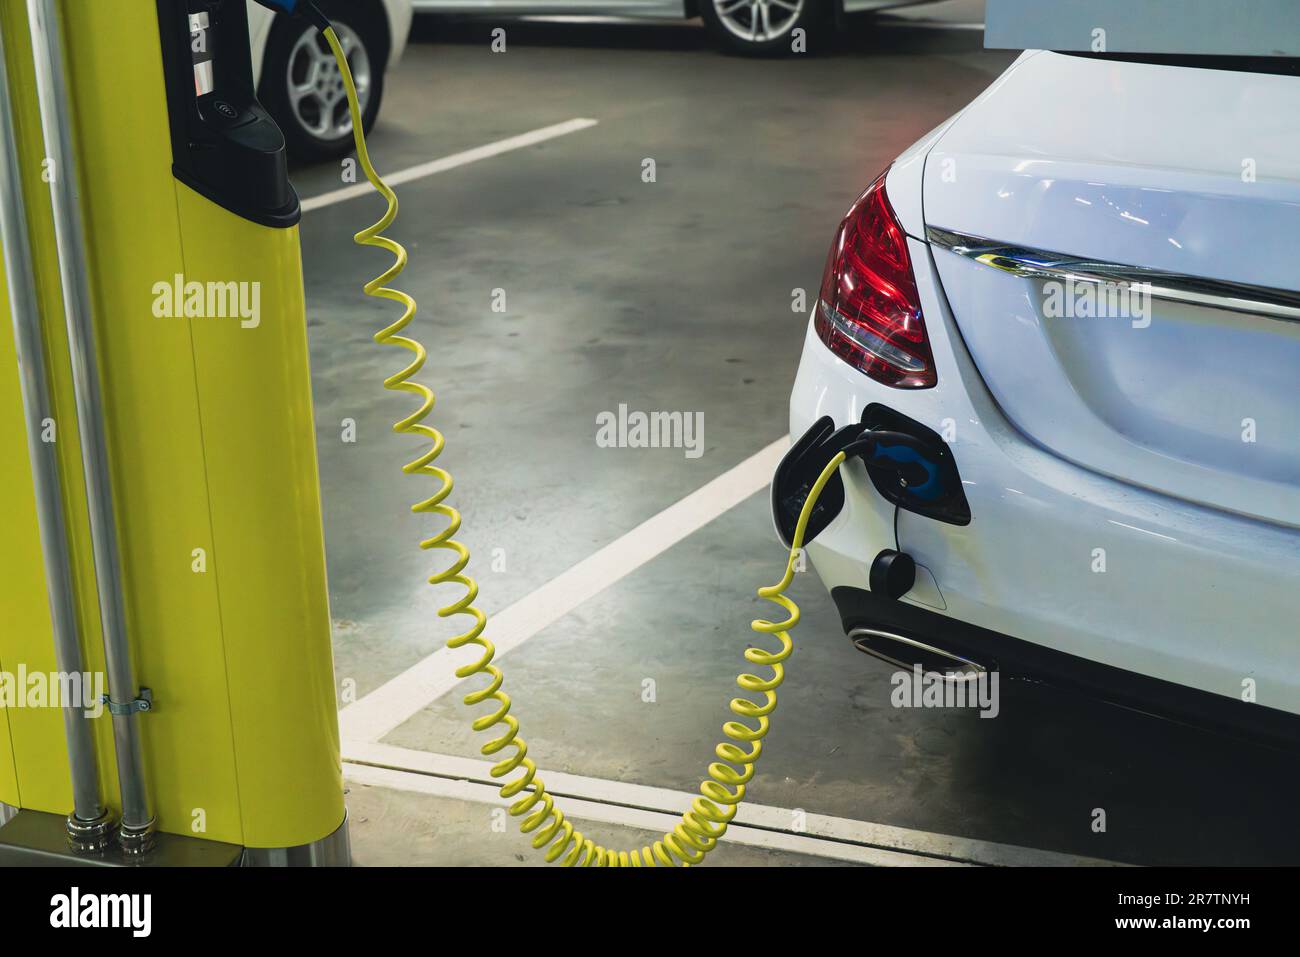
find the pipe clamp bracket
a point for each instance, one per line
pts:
(141, 704)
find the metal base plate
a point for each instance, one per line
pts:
(37, 839)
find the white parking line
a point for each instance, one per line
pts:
(451, 162)
(392, 703)
(636, 805)
(595, 812)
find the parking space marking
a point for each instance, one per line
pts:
(636, 805)
(463, 158)
(599, 813)
(397, 700)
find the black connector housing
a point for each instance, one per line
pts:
(909, 464)
(225, 146)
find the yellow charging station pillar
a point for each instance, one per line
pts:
(193, 276)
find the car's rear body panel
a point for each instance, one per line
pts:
(1189, 172)
(1120, 512)
(1058, 554)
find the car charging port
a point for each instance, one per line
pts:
(910, 466)
(938, 492)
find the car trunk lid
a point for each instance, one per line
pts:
(1120, 246)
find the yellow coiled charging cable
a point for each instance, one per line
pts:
(722, 792)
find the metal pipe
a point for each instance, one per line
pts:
(89, 825)
(124, 703)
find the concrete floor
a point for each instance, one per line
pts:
(393, 829)
(673, 295)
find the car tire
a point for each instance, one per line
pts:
(302, 88)
(732, 24)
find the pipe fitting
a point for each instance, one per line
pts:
(90, 837)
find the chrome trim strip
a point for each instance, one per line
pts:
(861, 640)
(1265, 301)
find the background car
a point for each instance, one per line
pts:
(299, 82)
(1131, 472)
(744, 26)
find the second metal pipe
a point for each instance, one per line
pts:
(56, 112)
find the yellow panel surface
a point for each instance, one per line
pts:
(255, 392)
(213, 465)
(21, 583)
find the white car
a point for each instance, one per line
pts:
(299, 83)
(744, 26)
(1084, 287)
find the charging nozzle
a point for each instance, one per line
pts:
(283, 6)
(303, 8)
(813, 452)
(909, 465)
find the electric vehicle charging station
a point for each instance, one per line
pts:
(159, 356)
(145, 193)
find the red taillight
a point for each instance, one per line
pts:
(869, 313)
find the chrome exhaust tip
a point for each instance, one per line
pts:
(904, 652)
